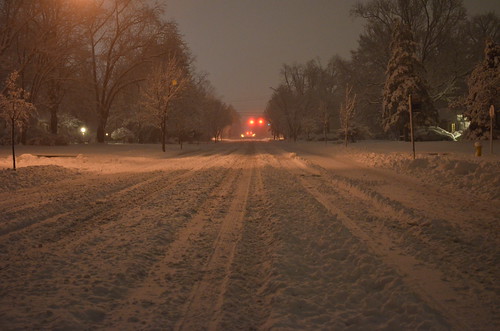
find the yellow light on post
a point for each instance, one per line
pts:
(174, 82)
(83, 130)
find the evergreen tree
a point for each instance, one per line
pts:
(403, 79)
(484, 91)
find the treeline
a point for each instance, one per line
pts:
(448, 61)
(116, 67)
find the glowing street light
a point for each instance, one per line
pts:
(83, 130)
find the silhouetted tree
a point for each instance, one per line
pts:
(216, 116)
(347, 109)
(484, 91)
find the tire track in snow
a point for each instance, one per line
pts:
(18, 214)
(109, 225)
(48, 208)
(78, 212)
(425, 280)
(204, 305)
(450, 247)
(320, 276)
(156, 299)
(86, 220)
(250, 292)
(411, 193)
(456, 250)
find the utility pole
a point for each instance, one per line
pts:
(492, 115)
(411, 125)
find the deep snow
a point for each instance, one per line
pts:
(250, 235)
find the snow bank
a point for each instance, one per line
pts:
(446, 164)
(112, 158)
(32, 176)
(459, 169)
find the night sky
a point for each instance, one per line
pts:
(242, 44)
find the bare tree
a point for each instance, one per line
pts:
(13, 19)
(431, 20)
(323, 84)
(117, 33)
(305, 101)
(282, 113)
(185, 115)
(216, 116)
(290, 101)
(15, 108)
(480, 28)
(347, 110)
(38, 40)
(62, 25)
(164, 85)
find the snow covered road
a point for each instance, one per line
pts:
(243, 235)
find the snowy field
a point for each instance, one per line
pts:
(250, 236)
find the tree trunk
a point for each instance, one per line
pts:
(54, 94)
(100, 132)
(101, 127)
(346, 131)
(325, 127)
(163, 133)
(53, 119)
(12, 138)
(163, 137)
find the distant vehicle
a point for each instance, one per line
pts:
(248, 134)
(433, 133)
(255, 127)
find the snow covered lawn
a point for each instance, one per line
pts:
(250, 235)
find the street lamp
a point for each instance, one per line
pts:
(83, 130)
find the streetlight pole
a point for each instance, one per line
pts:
(83, 130)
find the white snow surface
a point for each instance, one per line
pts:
(250, 235)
